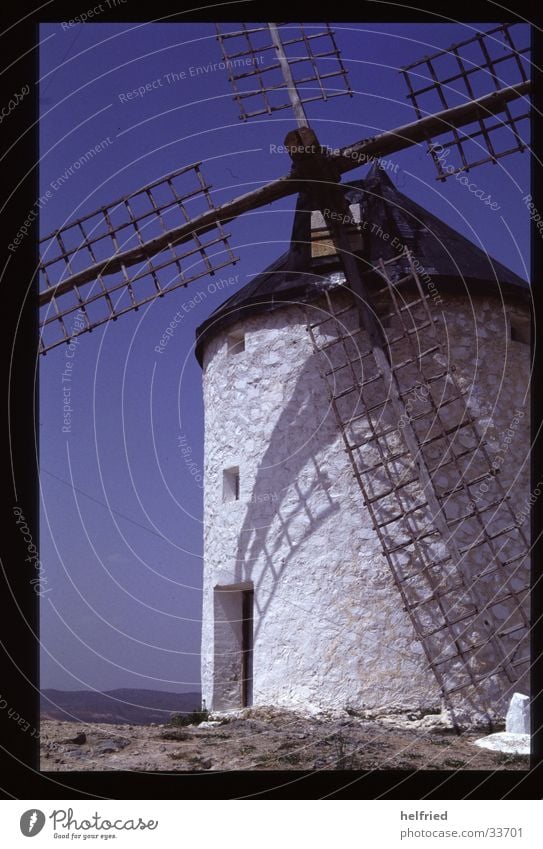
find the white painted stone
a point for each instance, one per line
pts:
(329, 625)
(517, 720)
(504, 741)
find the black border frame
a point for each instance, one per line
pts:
(18, 684)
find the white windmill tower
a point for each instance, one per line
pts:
(360, 546)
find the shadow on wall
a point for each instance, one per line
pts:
(306, 422)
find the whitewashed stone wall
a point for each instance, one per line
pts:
(329, 628)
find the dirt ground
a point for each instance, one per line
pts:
(269, 739)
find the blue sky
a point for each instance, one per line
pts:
(121, 526)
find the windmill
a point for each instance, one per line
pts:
(169, 233)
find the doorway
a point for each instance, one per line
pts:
(233, 649)
(247, 601)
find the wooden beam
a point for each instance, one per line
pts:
(427, 128)
(280, 188)
(294, 97)
(348, 158)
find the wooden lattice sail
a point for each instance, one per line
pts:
(457, 552)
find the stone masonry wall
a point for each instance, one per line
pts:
(329, 628)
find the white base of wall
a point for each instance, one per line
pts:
(512, 744)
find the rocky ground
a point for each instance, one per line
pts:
(266, 739)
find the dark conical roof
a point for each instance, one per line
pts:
(453, 262)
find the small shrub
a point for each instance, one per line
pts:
(192, 718)
(175, 734)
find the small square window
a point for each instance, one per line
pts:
(230, 484)
(236, 343)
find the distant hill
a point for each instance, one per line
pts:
(133, 707)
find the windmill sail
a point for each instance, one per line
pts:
(263, 60)
(491, 61)
(147, 255)
(126, 254)
(455, 548)
(456, 551)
